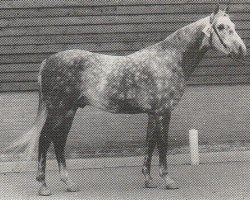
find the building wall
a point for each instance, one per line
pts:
(31, 30)
(215, 103)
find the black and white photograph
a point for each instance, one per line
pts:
(125, 99)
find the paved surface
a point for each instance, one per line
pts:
(229, 180)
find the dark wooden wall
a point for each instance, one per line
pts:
(216, 101)
(31, 30)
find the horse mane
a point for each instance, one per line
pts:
(187, 40)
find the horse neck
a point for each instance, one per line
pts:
(186, 42)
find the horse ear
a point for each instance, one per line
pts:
(226, 9)
(216, 10)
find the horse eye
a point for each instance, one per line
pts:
(231, 32)
(221, 27)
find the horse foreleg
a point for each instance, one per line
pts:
(150, 146)
(44, 143)
(59, 141)
(162, 139)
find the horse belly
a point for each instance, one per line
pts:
(130, 102)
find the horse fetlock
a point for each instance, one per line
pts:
(162, 172)
(40, 177)
(64, 179)
(64, 176)
(71, 186)
(145, 171)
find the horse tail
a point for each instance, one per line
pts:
(27, 142)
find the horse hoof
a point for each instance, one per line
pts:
(44, 191)
(150, 184)
(170, 184)
(73, 188)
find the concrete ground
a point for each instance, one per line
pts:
(227, 180)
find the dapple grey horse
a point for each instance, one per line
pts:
(150, 81)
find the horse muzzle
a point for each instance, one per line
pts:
(239, 52)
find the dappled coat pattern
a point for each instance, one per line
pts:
(150, 81)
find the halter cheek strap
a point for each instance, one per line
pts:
(209, 33)
(221, 41)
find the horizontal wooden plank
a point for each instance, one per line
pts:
(101, 47)
(38, 58)
(117, 28)
(93, 38)
(85, 38)
(122, 19)
(90, 20)
(20, 67)
(18, 77)
(220, 61)
(93, 29)
(18, 86)
(94, 47)
(140, 9)
(75, 3)
(25, 58)
(221, 70)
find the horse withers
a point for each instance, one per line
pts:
(150, 81)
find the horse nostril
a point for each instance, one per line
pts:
(241, 51)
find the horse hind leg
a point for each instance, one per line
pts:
(43, 145)
(59, 139)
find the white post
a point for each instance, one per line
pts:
(193, 143)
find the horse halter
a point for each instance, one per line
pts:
(218, 35)
(209, 32)
(242, 61)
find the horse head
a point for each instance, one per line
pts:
(220, 34)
